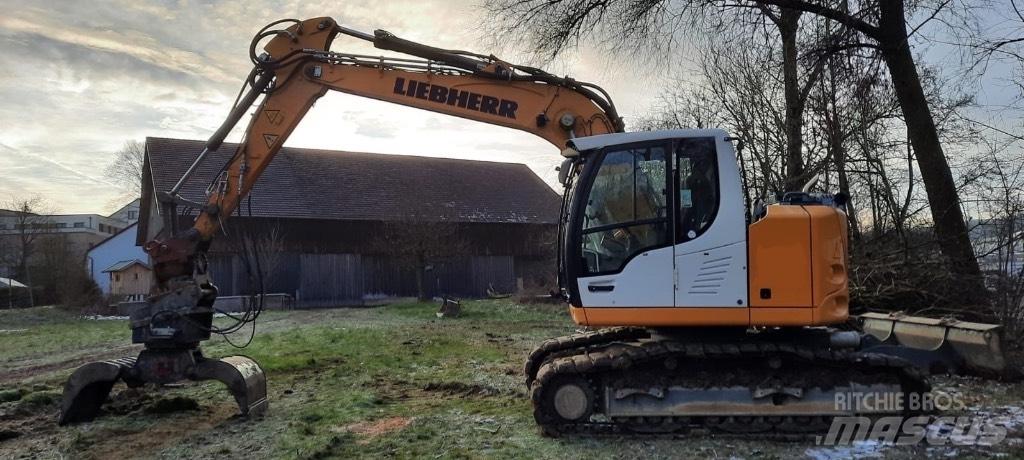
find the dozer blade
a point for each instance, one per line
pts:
(243, 377)
(88, 388)
(938, 345)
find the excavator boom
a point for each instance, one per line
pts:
(296, 69)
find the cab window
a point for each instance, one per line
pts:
(626, 209)
(697, 176)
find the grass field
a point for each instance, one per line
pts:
(391, 381)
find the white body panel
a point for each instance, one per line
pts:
(712, 269)
(712, 277)
(604, 140)
(645, 281)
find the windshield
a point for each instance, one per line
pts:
(626, 209)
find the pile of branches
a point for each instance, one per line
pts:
(911, 275)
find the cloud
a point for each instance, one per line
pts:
(79, 78)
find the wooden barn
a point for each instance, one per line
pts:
(345, 228)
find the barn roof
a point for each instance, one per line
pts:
(336, 185)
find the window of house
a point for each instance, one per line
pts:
(3, 226)
(627, 208)
(117, 277)
(62, 225)
(79, 224)
(132, 215)
(136, 276)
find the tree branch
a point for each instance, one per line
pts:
(830, 13)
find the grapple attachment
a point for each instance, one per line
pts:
(244, 378)
(88, 387)
(90, 384)
(937, 345)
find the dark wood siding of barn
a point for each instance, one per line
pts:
(327, 280)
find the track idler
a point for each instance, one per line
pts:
(90, 384)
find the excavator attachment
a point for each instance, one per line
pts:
(90, 384)
(243, 377)
(88, 388)
(937, 345)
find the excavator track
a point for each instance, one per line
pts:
(628, 380)
(571, 344)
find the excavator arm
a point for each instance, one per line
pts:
(296, 69)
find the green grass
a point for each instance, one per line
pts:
(447, 388)
(44, 331)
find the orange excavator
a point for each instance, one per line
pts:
(704, 312)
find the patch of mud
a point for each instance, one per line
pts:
(171, 405)
(462, 389)
(369, 430)
(143, 440)
(8, 434)
(126, 401)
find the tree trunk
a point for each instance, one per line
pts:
(943, 198)
(420, 292)
(788, 23)
(838, 149)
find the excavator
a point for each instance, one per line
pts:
(702, 310)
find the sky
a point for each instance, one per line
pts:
(78, 79)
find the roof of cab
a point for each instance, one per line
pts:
(604, 140)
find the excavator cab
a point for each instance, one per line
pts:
(653, 223)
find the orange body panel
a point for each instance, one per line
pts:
(660, 316)
(780, 258)
(781, 316)
(829, 279)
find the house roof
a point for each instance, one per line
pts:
(325, 184)
(124, 265)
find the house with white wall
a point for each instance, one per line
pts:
(117, 248)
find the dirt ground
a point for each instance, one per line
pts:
(392, 382)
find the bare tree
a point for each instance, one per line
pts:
(261, 249)
(551, 26)
(125, 169)
(31, 222)
(999, 199)
(419, 244)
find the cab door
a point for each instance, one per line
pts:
(625, 239)
(710, 229)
